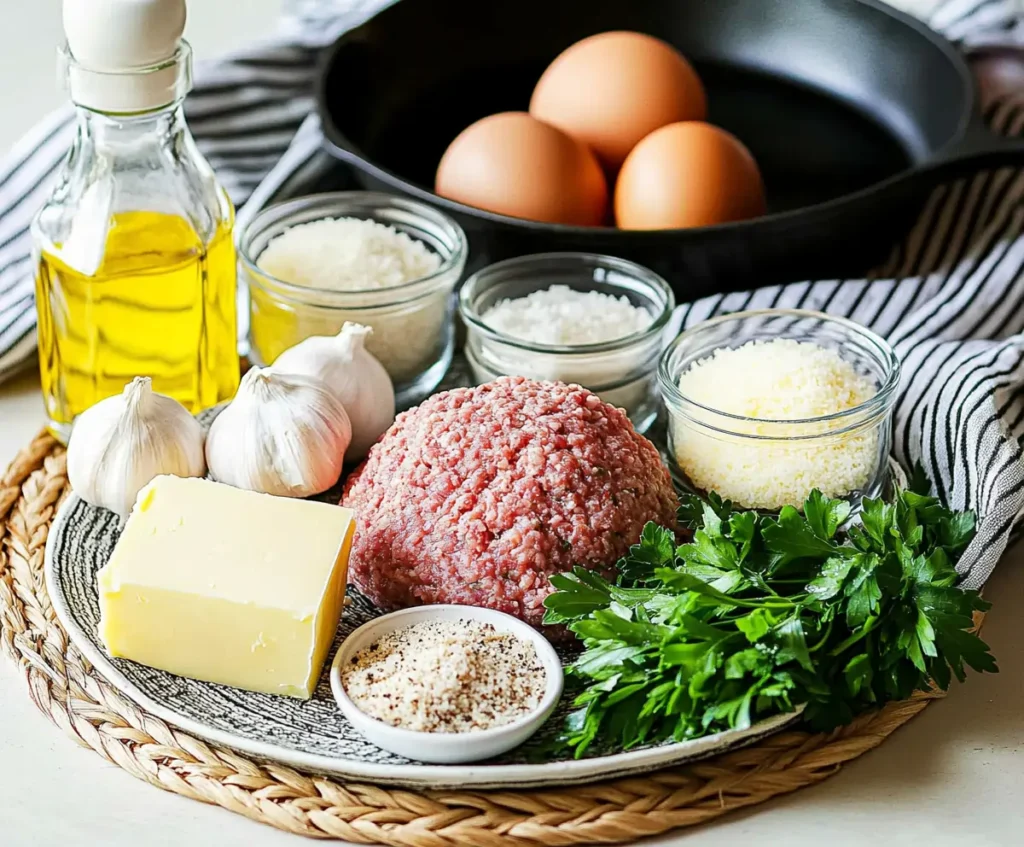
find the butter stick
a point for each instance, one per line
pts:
(229, 586)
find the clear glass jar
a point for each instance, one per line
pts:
(766, 464)
(134, 253)
(412, 323)
(622, 372)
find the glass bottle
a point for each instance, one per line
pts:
(134, 254)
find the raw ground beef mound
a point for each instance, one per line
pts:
(479, 494)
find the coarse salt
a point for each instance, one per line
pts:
(764, 382)
(447, 676)
(563, 316)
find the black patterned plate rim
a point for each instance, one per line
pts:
(408, 774)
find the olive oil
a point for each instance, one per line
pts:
(161, 304)
(133, 247)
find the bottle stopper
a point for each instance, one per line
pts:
(126, 55)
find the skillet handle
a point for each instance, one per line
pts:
(979, 148)
(999, 71)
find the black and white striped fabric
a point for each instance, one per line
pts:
(950, 299)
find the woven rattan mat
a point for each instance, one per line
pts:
(78, 700)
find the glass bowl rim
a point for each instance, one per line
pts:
(339, 200)
(635, 270)
(877, 404)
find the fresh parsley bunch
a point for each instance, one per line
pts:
(759, 615)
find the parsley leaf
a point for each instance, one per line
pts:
(791, 537)
(755, 616)
(825, 516)
(655, 550)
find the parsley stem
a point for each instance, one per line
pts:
(869, 625)
(776, 602)
(824, 638)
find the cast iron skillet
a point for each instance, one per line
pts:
(853, 110)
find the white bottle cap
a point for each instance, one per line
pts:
(125, 55)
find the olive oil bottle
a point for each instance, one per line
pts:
(135, 259)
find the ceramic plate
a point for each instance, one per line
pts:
(312, 735)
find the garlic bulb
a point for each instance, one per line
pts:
(283, 434)
(123, 442)
(355, 377)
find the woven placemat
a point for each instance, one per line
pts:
(66, 688)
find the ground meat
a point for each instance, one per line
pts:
(479, 494)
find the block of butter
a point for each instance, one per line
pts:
(219, 584)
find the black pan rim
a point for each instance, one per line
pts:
(342, 149)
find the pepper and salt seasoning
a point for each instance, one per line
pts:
(446, 676)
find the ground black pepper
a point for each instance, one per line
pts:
(456, 676)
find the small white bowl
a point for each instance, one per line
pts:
(448, 748)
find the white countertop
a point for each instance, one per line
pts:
(953, 776)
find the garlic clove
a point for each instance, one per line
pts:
(353, 375)
(123, 442)
(283, 434)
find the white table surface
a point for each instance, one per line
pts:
(953, 776)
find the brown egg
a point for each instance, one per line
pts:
(514, 165)
(613, 89)
(685, 175)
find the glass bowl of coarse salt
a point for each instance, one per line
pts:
(766, 406)
(573, 317)
(313, 263)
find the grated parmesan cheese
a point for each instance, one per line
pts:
(347, 254)
(359, 259)
(446, 676)
(563, 316)
(779, 380)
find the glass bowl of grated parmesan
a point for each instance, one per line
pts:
(313, 263)
(580, 318)
(765, 406)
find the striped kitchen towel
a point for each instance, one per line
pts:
(950, 299)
